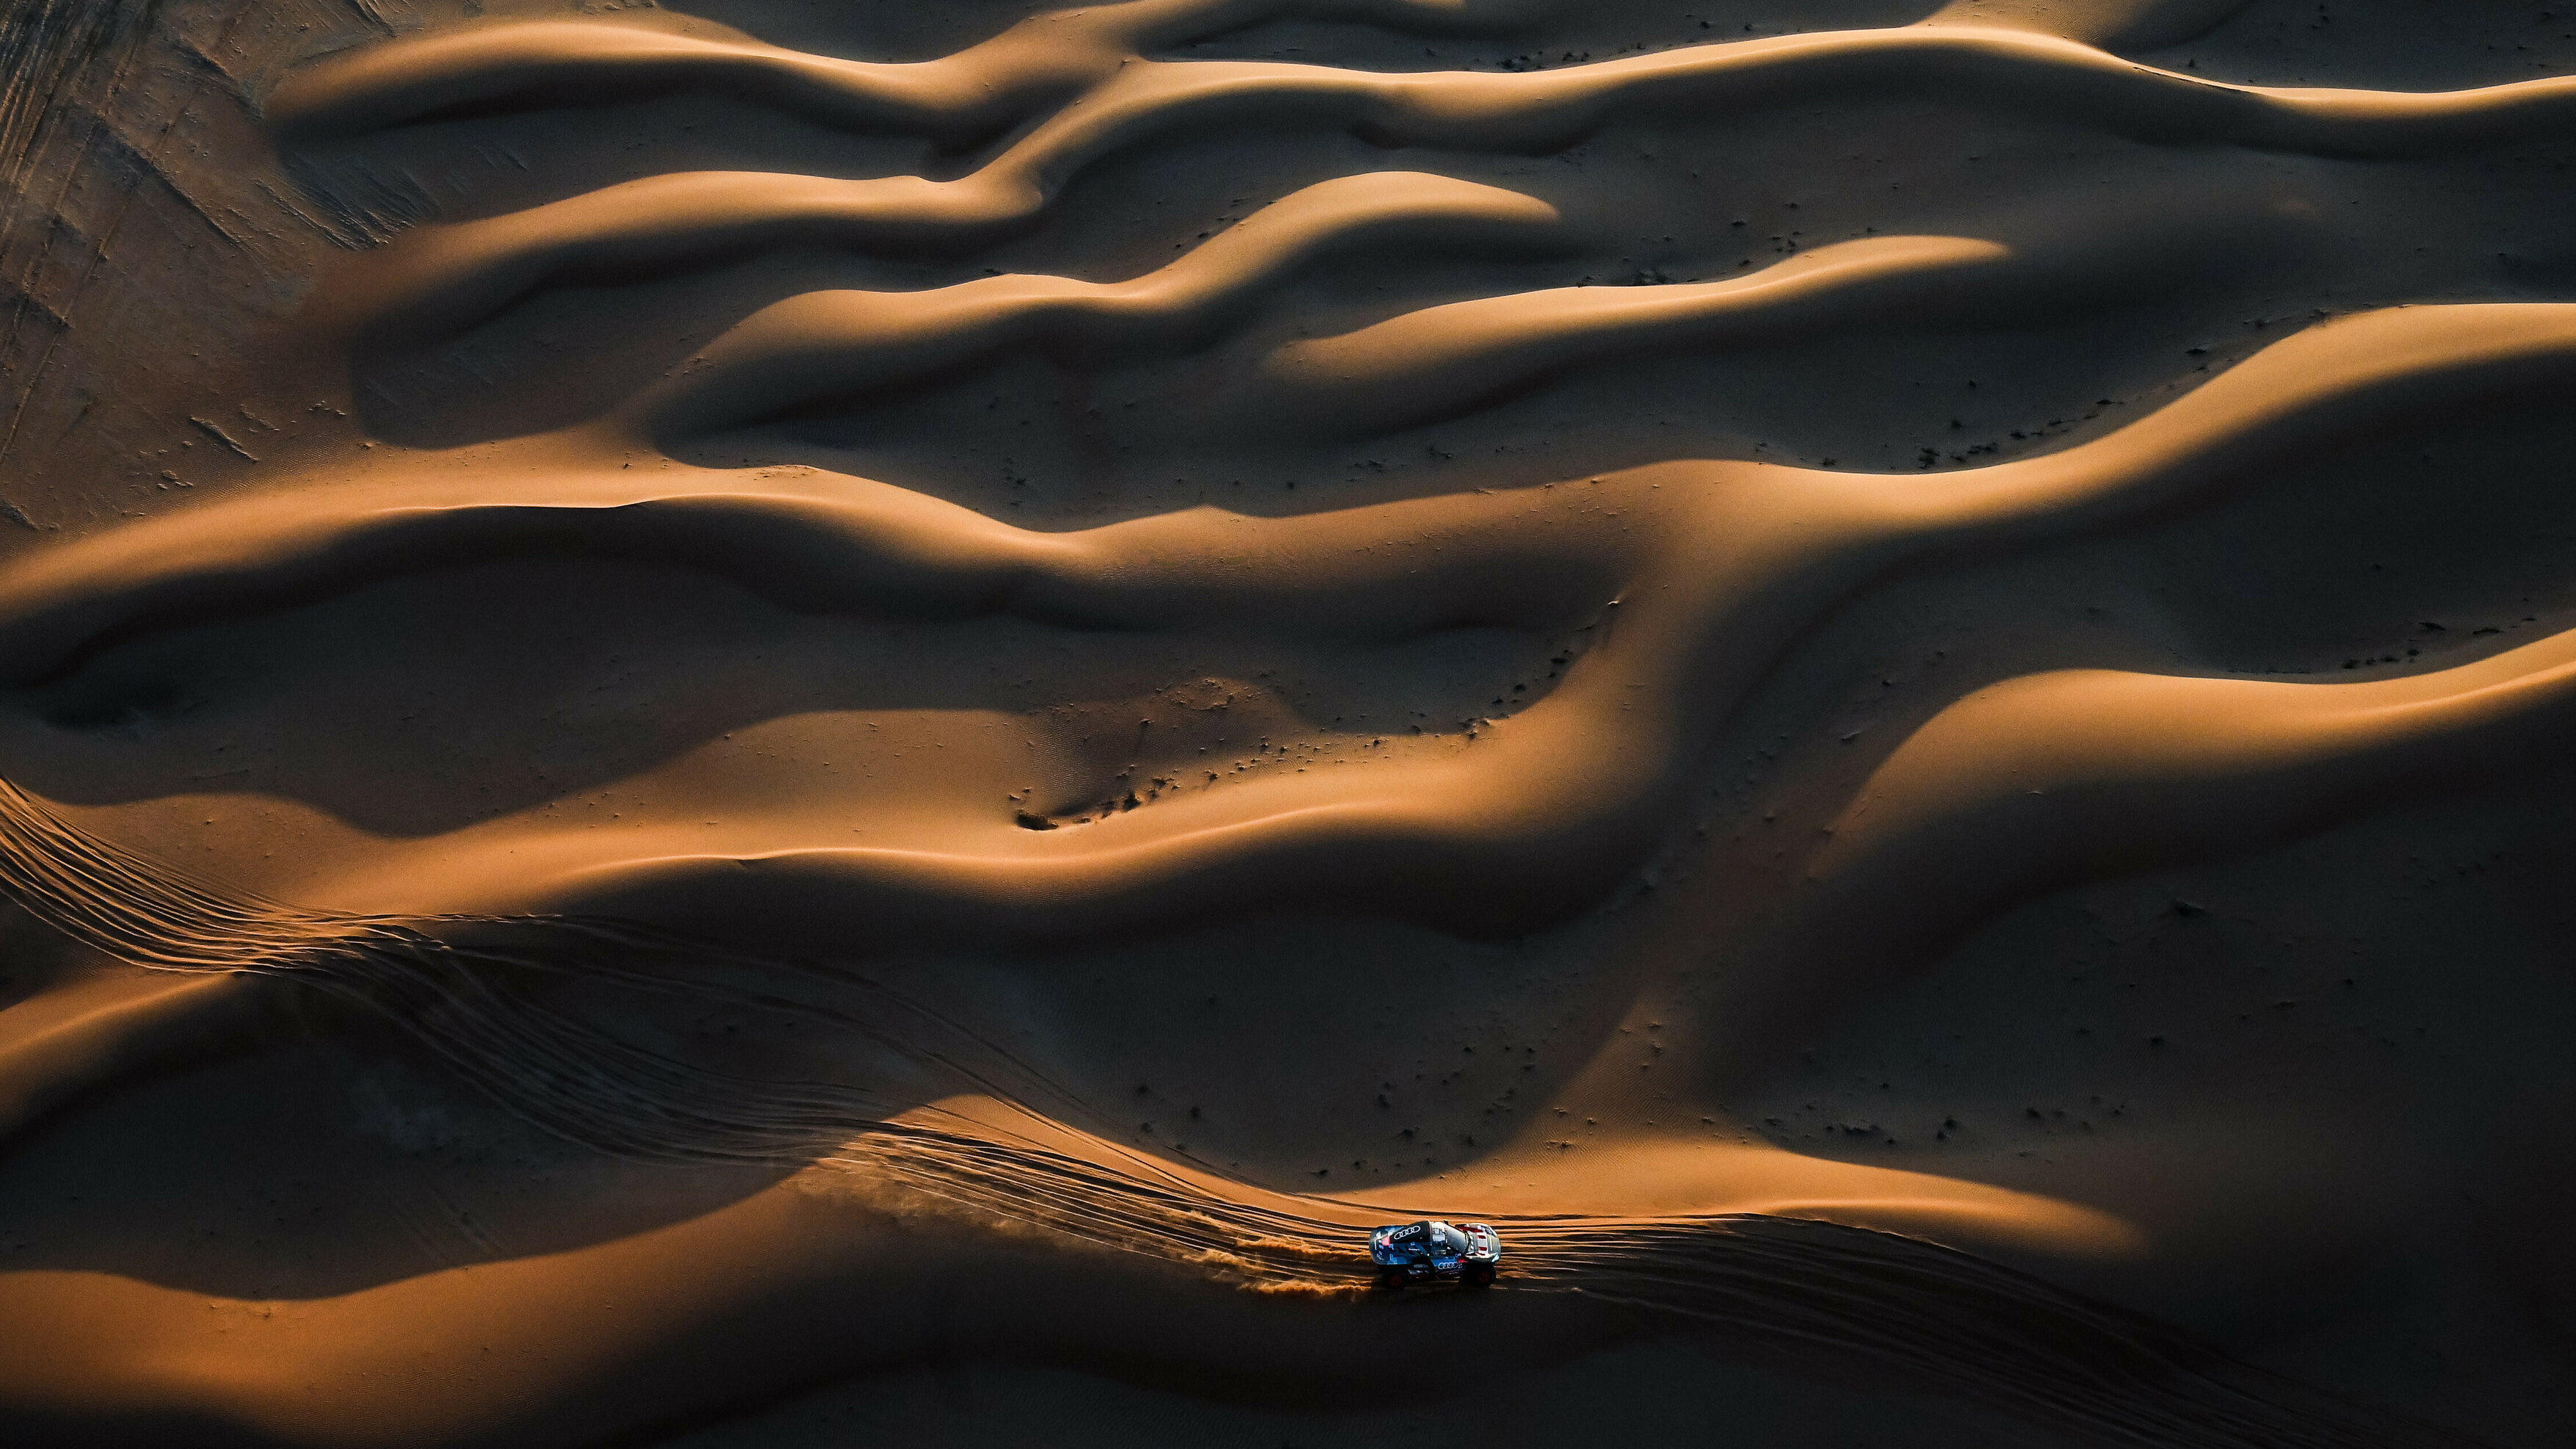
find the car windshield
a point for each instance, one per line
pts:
(1446, 1239)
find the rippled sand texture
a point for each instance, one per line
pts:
(748, 723)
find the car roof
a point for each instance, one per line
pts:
(1422, 1226)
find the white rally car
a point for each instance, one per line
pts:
(1435, 1252)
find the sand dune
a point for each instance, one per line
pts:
(710, 703)
(1545, 808)
(1787, 1290)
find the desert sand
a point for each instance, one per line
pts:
(832, 722)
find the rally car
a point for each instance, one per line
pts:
(1435, 1252)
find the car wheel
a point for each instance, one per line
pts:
(1478, 1275)
(1390, 1278)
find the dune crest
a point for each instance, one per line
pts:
(2111, 24)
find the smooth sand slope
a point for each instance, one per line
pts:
(740, 723)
